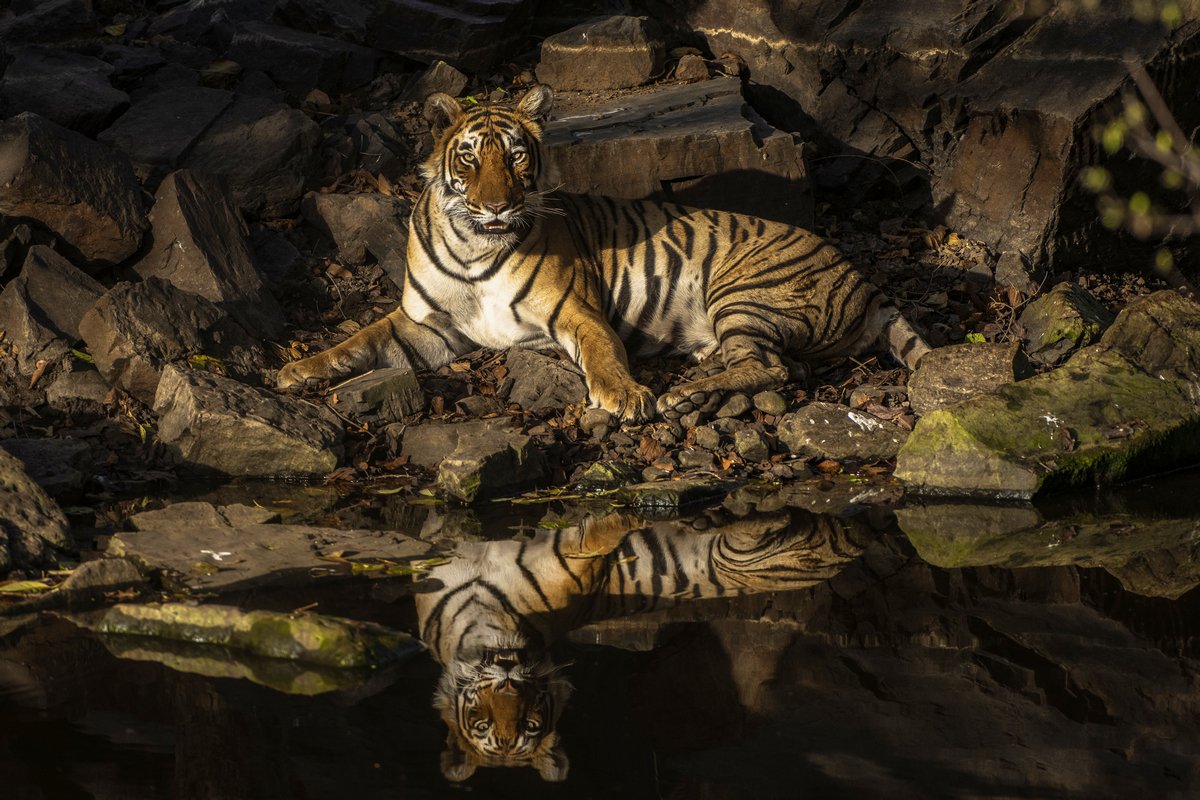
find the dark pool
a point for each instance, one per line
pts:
(957, 651)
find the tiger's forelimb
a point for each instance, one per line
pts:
(394, 341)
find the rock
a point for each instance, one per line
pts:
(210, 548)
(472, 36)
(49, 21)
(219, 425)
(426, 445)
(209, 21)
(948, 375)
(1117, 409)
(734, 406)
(199, 244)
(158, 131)
(672, 496)
(362, 224)
(692, 458)
(135, 329)
(603, 476)
(41, 308)
(956, 535)
(995, 117)
(16, 240)
(476, 405)
(1013, 270)
(868, 394)
(438, 77)
(103, 575)
(276, 257)
(494, 464)
(32, 527)
(691, 419)
(656, 144)
(78, 389)
(78, 189)
(770, 403)
(371, 142)
(299, 61)
(652, 473)
(66, 88)
(691, 68)
(309, 638)
(830, 430)
(264, 150)
(542, 383)
(707, 437)
(610, 53)
(595, 418)
(1061, 321)
(59, 466)
(386, 394)
(751, 445)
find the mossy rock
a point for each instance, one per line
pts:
(307, 638)
(1125, 407)
(1063, 320)
(1153, 557)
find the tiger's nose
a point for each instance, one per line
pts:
(496, 208)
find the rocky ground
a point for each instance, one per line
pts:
(221, 188)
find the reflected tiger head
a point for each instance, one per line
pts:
(487, 164)
(502, 710)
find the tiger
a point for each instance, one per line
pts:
(496, 258)
(490, 614)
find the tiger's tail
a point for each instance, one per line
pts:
(901, 339)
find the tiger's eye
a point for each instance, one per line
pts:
(518, 157)
(481, 726)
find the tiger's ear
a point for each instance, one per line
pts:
(551, 763)
(457, 763)
(441, 110)
(536, 103)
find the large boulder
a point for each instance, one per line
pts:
(299, 61)
(199, 244)
(477, 459)
(32, 527)
(1123, 407)
(697, 144)
(949, 375)
(135, 329)
(363, 225)
(216, 424)
(473, 36)
(78, 189)
(67, 88)
(988, 108)
(1061, 321)
(41, 308)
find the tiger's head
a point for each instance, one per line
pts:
(502, 710)
(487, 163)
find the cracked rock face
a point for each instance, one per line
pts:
(32, 527)
(656, 145)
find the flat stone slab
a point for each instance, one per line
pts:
(698, 144)
(831, 430)
(1127, 406)
(217, 548)
(615, 52)
(217, 424)
(384, 394)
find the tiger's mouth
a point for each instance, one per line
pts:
(494, 227)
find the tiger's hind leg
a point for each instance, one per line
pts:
(753, 363)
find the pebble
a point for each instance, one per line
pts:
(690, 420)
(691, 67)
(655, 474)
(621, 439)
(666, 436)
(693, 458)
(594, 418)
(770, 402)
(708, 437)
(751, 445)
(735, 406)
(728, 425)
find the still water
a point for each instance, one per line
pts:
(759, 650)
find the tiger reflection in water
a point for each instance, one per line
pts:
(489, 616)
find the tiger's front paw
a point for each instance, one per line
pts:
(296, 373)
(630, 402)
(688, 398)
